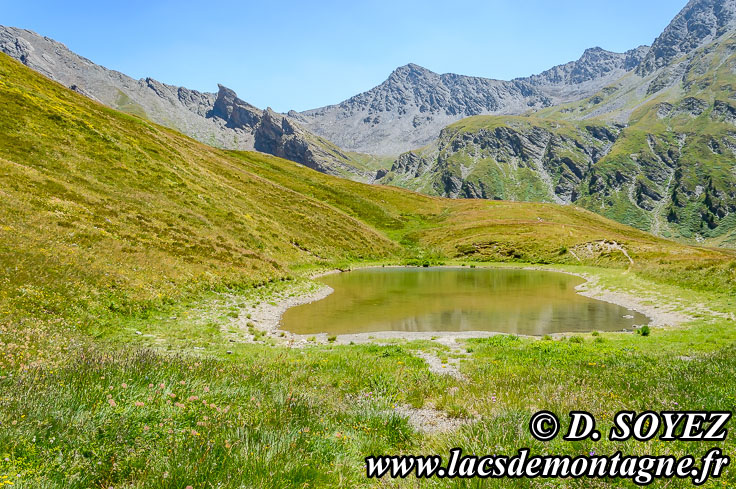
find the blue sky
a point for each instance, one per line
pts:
(301, 55)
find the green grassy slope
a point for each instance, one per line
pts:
(110, 203)
(520, 158)
(677, 156)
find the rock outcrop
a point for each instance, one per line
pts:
(506, 159)
(699, 23)
(220, 119)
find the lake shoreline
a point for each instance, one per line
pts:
(267, 316)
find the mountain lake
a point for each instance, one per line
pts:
(452, 300)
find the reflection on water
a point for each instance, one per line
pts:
(455, 299)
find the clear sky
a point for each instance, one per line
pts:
(305, 54)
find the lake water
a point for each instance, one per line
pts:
(456, 299)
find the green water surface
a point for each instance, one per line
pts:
(525, 302)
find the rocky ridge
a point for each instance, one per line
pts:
(220, 119)
(699, 23)
(410, 108)
(506, 159)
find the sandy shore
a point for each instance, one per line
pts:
(658, 314)
(267, 316)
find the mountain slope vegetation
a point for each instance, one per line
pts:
(654, 150)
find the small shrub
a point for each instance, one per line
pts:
(644, 330)
(595, 333)
(312, 339)
(576, 339)
(472, 266)
(332, 338)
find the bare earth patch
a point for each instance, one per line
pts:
(437, 366)
(661, 314)
(266, 315)
(430, 420)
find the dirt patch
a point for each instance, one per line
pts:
(439, 367)
(661, 314)
(597, 248)
(266, 316)
(430, 420)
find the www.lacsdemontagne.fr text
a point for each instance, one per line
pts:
(641, 470)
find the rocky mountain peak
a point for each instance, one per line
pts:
(413, 105)
(410, 108)
(700, 22)
(226, 95)
(635, 56)
(596, 67)
(409, 69)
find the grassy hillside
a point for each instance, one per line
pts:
(131, 256)
(505, 157)
(130, 211)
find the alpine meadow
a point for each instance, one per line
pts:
(152, 237)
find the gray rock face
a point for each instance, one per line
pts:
(412, 106)
(595, 69)
(700, 22)
(220, 119)
(236, 112)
